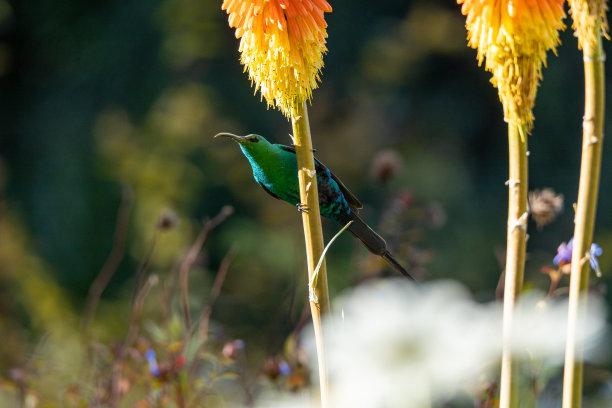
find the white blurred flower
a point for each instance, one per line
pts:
(394, 344)
(402, 345)
(541, 327)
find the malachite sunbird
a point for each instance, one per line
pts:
(275, 169)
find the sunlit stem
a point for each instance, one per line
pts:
(313, 232)
(515, 257)
(592, 134)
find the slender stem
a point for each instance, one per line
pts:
(592, 142)
(190, 259)
(515, 257)
(112, 262)
(313, 233)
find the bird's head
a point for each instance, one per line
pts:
(250, 144)
(242, 140)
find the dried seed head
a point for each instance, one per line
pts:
(385, 165)
(545, 205)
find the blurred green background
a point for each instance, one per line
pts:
(102, 96)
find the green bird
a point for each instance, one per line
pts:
(275, 169)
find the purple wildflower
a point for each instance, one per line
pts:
(594, 253)
(152, 360)
(564, 255)
(284, 368)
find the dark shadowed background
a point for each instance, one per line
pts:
(102, 97)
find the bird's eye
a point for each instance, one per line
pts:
(253, 139)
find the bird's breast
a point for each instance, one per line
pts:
(280, 179)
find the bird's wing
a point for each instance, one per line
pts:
(320, 167)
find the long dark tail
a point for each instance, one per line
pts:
(374, 242)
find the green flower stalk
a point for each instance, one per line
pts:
(512, 38)
(282, 46)
(589, 24)
(313, 234)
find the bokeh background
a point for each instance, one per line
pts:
(102, 100)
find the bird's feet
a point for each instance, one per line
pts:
(302, 207)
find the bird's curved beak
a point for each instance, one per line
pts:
(236, 138)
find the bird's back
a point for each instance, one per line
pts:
(276, 172)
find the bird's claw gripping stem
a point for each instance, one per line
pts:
(302, 207)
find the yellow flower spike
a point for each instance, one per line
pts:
(512, 37)
(282, 46)
(586, 15)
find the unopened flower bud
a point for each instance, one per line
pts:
(167, 220)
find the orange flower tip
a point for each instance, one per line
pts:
(282, 46)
